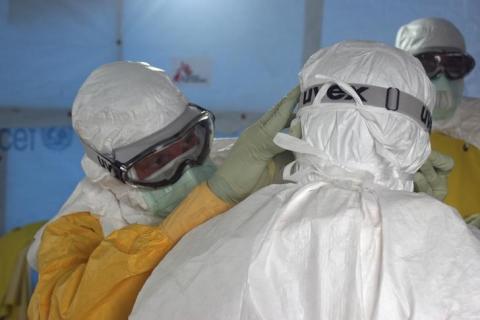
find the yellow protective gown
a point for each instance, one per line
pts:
(83, 275)
(464, 180)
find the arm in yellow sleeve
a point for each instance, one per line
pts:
(83, 276)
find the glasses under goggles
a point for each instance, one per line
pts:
(161, 158)
(455, 65)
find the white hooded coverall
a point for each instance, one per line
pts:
(347, 238)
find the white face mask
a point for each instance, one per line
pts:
(162, 201)
(449, 96)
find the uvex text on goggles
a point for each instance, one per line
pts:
(455, 65)
(391, 99)
(160, 158)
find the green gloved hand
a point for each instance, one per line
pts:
(432, 178)
(255, 160)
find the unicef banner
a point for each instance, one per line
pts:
(26, 139)
(41, 169)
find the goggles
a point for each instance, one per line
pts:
(160, 159)
(455, 65)
(391, 99)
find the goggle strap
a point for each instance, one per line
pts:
(391, 99)
(439, 50)
(102, 161)
(191, 113)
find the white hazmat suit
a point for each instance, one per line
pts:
(120, 103)
(347, 238)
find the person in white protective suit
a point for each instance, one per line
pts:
(146, 162)
(441, 49)
(346, 238)
(146, 148)
(103, 96)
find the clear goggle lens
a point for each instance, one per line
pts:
(165, 164)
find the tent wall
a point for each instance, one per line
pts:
(50, 46)
(251, 49)
(48, 49)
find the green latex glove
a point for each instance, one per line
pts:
(255, 161)
(432, 178)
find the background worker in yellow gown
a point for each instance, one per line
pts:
(440, 46)
(145, 150)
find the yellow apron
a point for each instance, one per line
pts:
(464, 180)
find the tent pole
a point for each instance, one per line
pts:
(312, 34)
(119, 26)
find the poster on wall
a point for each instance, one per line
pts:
(192, 71)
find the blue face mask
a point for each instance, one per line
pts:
(162, 201)
(449, 96)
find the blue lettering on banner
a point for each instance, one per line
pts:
(23, 139)
(5, 139)
(20, 139)
(57, 138)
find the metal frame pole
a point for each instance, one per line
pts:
(119, 40)
(312, 35)
(3, 189)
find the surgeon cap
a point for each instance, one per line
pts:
(429, 34)
(123, 102)
(372, 63)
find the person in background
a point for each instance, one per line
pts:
(146, 149)
(441, 49)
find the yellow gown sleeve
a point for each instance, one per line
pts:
(84, 276)
(464, 180)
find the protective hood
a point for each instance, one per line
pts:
(118, 104)
(123, 102)
(429, 34)
(373, 141)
